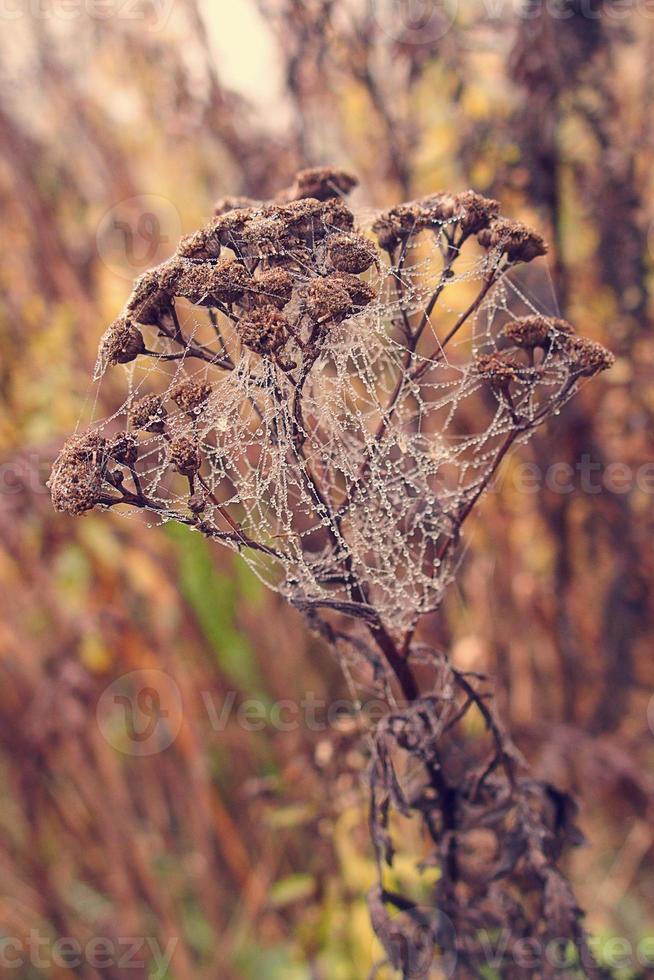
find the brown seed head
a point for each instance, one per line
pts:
(273, 286)
(190, 396)
(149, 413)
(122, 342)
(586, 357)
(536, 331)
(148, 303)
(475, 212)
(184, 455)
(201, 244)
(514, 239)
(321, 183)
(360, 292)
(205, 283)
(350, 253)
(264, 329)
(401, 223)
(123, 448)
(77, 475)
(327, 300)
(498, 369)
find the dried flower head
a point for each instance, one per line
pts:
(148, 302)
(402, 222)
(326, 300)
(586, 357)
(514, 239)
(76, 482)
(321, 183)
(190, 396)
(351, 253)
(475, 212)
(499, 369)
(201, 244)
(226, 204)
(264, 329)
(184, 455)
(273, 286)
(123, 448)
(122, 343)
(536, 331)
(149, 413)
(205, 283)
(361, 293)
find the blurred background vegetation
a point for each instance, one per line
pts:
(120, 123)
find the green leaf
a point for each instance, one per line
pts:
(213, 596)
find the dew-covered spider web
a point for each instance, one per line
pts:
(330, 408)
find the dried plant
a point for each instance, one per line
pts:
(331, 401)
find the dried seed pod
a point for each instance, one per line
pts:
(190, 396)
(148, 303)
(122, 342)
(361, 293)
(184, 455)
(400, 223)
(321, 183)
(536, 331)
(327, 300)
(76, 482)
(498, 369)
(90, 447)
(336, 215)
(149, 413)
(351, 253)
(205, 283)
(437, 208)
(124, 448)
(230, 226)
(273, 286)
(75, 488)
(226, 204)
(201, 244)
(475, 212)
(586, 357)
(514, 239)
(264, 329)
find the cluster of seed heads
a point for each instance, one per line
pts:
(308, 412)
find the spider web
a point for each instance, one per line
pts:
(355, 490)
